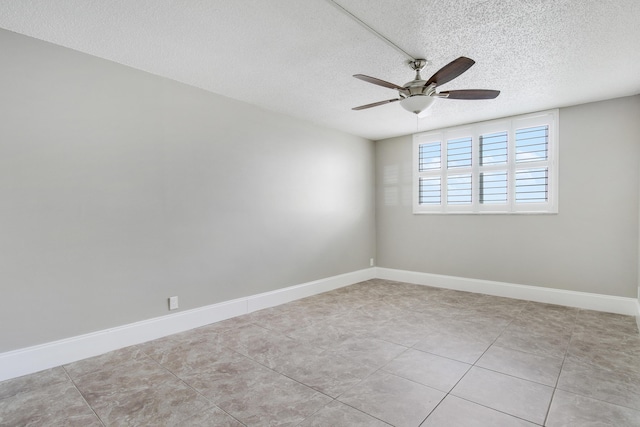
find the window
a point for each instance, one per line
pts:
(502, 166)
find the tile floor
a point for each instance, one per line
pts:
(376, 353)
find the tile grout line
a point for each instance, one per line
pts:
(82, 395)
(366, 413)
(483, 353)
(190, 387)
(381, 369)
(264, 366)
(474, 365)
(581, 394)
(564, 359)
(496, 410)
(448, 393)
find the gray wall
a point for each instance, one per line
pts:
(119, 189)
(590, 246)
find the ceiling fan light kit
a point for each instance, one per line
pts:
(416, 104)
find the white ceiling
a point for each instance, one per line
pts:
(297, 56)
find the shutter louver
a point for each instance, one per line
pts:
(429, 157)
(532, 185)
(504, 166)
(493, 187)
(493, 149)
(532, 145)
(459, 153)
(430, 192)
(459, 189)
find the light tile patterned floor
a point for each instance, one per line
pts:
(376, 353)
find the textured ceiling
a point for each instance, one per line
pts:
(297, 57)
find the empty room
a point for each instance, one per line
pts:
(320, 213)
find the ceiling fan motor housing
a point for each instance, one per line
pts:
(416, 96)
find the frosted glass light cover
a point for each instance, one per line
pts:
(417, 104)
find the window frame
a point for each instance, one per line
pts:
(510, 125)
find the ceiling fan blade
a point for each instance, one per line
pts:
(450, 71)
(470, 94)
(375, 104)
(377, 82)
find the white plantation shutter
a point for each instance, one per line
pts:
(532, 146)
(493, 172)
(503, 166)
(459, 161)
(430, 156)
(430, 193)
(493, 187)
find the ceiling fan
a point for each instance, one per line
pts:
(417, 95)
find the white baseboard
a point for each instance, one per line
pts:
(44, 356)
(292, 293)
(611, 304)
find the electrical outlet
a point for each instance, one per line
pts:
(371, 262)
(173, 303)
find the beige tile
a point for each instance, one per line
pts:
(551, 343)
(176, 343)
(428, 369)
(168, 403)
(282, 319)
(225, 375)
(337, 414)
(375, 311)
(406, 329)
(211, 417)
(457, 298)
(280, 366)
(504, 305)
(55, 405)
(139, 391)
(325, 335)
(541, 369)
(329, 373)
(185, 359)
(369, 352)
(358, 323)
(607, 323)
(32, 382)
(485, 328)
(104, 362)
(392, 399)
(608, 351)
(456, 412)
(406, 299)
(324, 306)
(514, 396)
(540, 325)
(431, 305)
(460, 345)
(568, 409)
(265, 346)
(618, 387)
(256, 395)
(550, 313)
